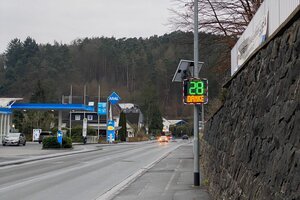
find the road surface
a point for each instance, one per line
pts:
(94, 175)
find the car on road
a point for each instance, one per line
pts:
(185, 137)
(45, 134)
(14, 139)
(152, 137)
(163, 138)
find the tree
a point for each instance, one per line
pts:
(155, 121)
(39, 95)
(30, 47)
(222, 17)
(140, 69)
(14, 53)
(18, 118)
(123, 131)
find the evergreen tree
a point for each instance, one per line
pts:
(18, 118)
(39, 95)
(140, 69)
(156, 122)
(123, 131)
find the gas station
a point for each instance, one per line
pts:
(8, 105)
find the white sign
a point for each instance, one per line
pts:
(249, 44)
(84, 127)
(36, 134)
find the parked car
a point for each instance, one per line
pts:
(14, 139)
(45, 134)
(185, 137)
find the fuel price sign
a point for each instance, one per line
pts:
(195, 91)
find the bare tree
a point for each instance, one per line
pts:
(221, 17)
(228, 18)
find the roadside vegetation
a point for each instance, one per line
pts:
(140, 70)
(52, 143)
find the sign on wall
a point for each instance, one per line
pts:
(250, 43)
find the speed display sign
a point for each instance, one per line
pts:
(195, 91)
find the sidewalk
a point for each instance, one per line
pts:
(171, 178)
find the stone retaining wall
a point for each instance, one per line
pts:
(250, 148)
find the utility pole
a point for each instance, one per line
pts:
(84, 98)
(196, 107)
(70, 102)
(98, 112)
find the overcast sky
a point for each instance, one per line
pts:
(47, 21)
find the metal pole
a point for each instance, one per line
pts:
(70, 102)
(98, 112)
(202, 120)
(84, 98)
(196, 108)
(84, 131)
(107, 117)
(5, 125)
(1, 126)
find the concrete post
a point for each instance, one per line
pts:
(59, 119)
(1, 126)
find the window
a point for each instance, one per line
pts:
(77, 117)
(90, 117)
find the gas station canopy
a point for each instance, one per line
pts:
(47, 106)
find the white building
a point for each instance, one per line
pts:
(168, 123)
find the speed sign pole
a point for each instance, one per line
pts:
(196, 107)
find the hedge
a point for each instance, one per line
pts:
(51, 142)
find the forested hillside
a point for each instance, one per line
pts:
(140, 70)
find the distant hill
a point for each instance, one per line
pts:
(140, 70)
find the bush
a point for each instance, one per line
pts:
(67, 142)
(76, 133)
(51, 142)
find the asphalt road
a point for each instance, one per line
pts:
(93, 175)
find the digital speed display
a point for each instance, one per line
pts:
(195, 91)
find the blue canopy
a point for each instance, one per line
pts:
(47, 106)
(5, 111)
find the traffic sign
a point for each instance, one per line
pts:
(195, 91)
(59, 137)
(114, 98)
(110, 131)
(101, 108)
